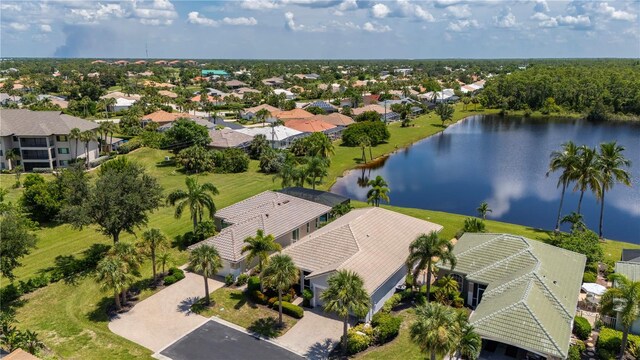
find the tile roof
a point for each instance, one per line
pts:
(279, 133)
(255, 109)
(293, 114)
(20, 354)
(120, 95)
(309, 125)
(235, 83)
(227, 138)
(162, 116)
(629, 269)
(168, 93)
(631, 255)
(322, 197)
(274, 212)
(373, 242)
(532, 290)
(336, 119)
(22, 122)
(373, 107)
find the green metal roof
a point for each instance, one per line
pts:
(629, 269)
(532, 290)
(214, 72)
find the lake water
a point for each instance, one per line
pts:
(503, 161)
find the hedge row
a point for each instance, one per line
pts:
(581, 328)
(609, 342)
(290, 309)
(174, 276)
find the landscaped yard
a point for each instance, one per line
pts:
(233, 306)
(399, 348)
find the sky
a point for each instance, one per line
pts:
(320, 29)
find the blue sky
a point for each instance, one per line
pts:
(320, 29)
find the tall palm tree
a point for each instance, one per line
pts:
(611, 164)
(280, 274)
(445, 111)
(363, 142)
(469, 342)
(346, 295)
(565, 160)
(483, 209)
(197, 197)
(111, 276)
(286, 174)
(109, 103)
(74, 134)
(435, 330)
(623, 298)
(422, 252)
(11, 156)
(86, 137)
(152, 241)
(206, 261)
(129, 259)
(587, 172)
(379, 191)
(315, 171)
(259, 247)
(323, 147)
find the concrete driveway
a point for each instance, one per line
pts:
(314, 335)
(164, 317)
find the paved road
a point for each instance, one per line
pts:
(214, 341)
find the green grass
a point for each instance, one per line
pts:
(233, 306)
(399, 348)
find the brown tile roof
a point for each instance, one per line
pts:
(255, 109)
(373, 107)
(275, 213)
(293, 114)
(308, 125)
(209, 97)
(235, 83)
(119, 94)
(22, 122)
(227, 138)
(336, 119)
(162, 117)
(168, 93)
(373, 242)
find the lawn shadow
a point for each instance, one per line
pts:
(192, 304)
(241, 299)
(104, 310)
(320, 350)
(267, 327)
(165, 163)
(539, 231)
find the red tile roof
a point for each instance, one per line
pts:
(308, 125)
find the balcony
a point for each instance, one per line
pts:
(35, 154)
(33, 142)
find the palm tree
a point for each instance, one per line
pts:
(469, 342)
(565, 160)
(74, 134)
(86, 137)
(587, 172)
(344, 295)
(435, 329)
(129, 259)
(205, 260)
(483, 209)
(286, 173)
(611, 164)
(474, 225)
(445, 111)
(422, 252)
(379, 191)
(163, 259)
(152, 241)
(363, 142)
(108, 103)
(263, 115)
(623, 298)
(323, 147)
(111, 276)
(280, 274)
(197, 198)
(315, 171)
(11, 156)
(259, 247)
(576, 220)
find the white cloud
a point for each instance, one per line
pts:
(347, 5)
(370, 27)
(446, 3)
(460, 11)
(463, 25)
(241, 21)
(10, 7)
(45, 28)
(505, 19)
(158, 12)
(259, 4)
(611, 12)
(541, 6)
(195, 18)
(19, 26)
(380, 11)
(99, 13)
(408, 9)
(576, 22)
(291, 23)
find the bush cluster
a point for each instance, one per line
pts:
(392, 302)
(376, 132)
(174, 276)
(359, 338)
(258, 297)
(242, 279)
(129, 146)
(307, 295)
(610, 340)
(589, 277)
(253, 284)
(575, 351)
(581, 328)
(290, 309)
(385, 327)
(231, 161)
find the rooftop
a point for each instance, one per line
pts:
(23, 122)
(228, 138)
(277, 133)
(318, 196)
(631, 255)
(309, 125)
(293, 114)
(629, 269)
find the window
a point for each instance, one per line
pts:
(15, 138)
(1, 153)
(296, 235)
(308, 228)
(63, 150)
(317, 223)
(63, 162)
(61, 138)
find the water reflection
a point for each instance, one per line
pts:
(503, 161)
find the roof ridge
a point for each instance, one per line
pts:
(509, 283)
(548, 290)
(549, 337)
(497, 263)
(483, 244)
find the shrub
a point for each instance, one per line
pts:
(129, 146)
(253, 284)
(377, 132)
(258, 297)
(392, 302)
(196, 159)
(458, 302)
(385, 327)
(611, 340)
(604, 354)
(229, 280)
(174, 276)
(99, 161)
(41, 170)
(291, 310)
(231, 161)
(307, 295)
(421, 299)
(242, 279)
(581, 328)
(357, 342)
(366, 329)
(170, 280)
(589, 277)
(9, 293)
(574, 353)
(272, 301)
(406, 294)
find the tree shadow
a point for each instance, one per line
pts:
(104, 311)
(267, 327)
(193, 304)
(320, 350)
(241, 300)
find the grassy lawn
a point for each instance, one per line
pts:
(233, 306)
(399, 348)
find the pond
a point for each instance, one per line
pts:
(503, 161)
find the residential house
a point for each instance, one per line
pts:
(373, 107)
(318, 196)
(191, 62)
(161, 62)
(629, 266)
(162, 117)
(311, 125)
(55, 100)
(98, 62)
(121, 62)
(235, 84)
(524, 292)
(295, 114)
(370, 99)
(243, 90)
(372, 242)
(167, 93)
(42, 138)
(228, 138)
(287, 94)
(403, 71)
(273, 81)
(287, 218)
(444, 96)
(123, 101)
(140, 62)
(279, 137)
(328, 108)
(19, 354)
(336, 119)
(250, 113)
(173, 63)
(5, 99)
